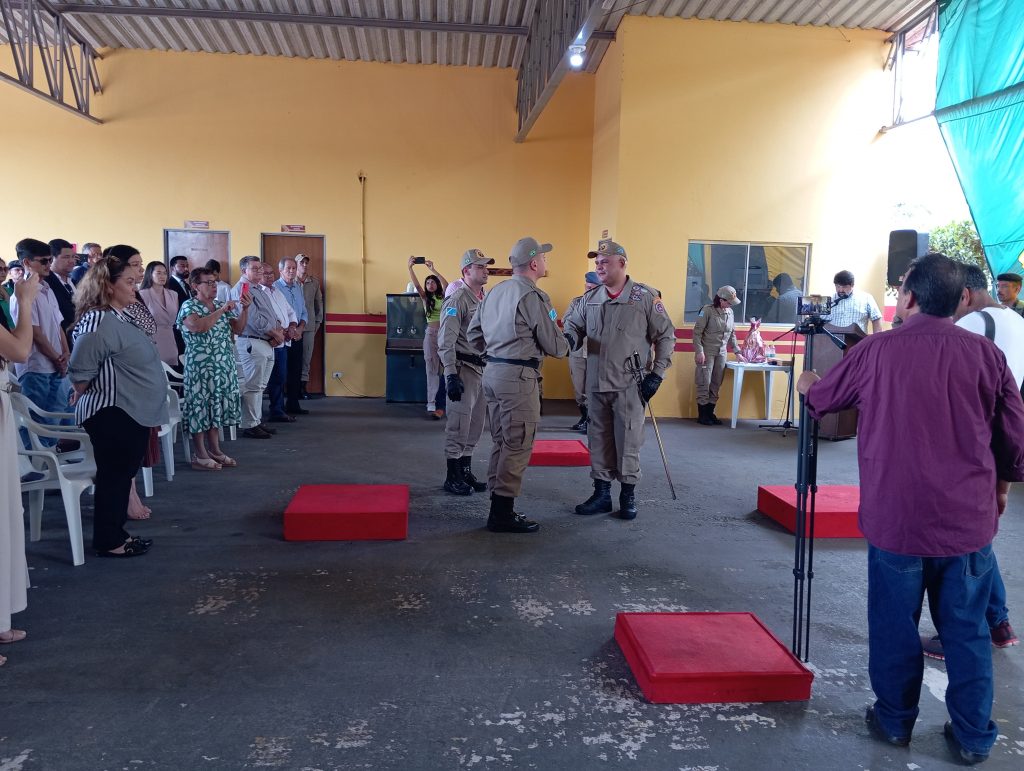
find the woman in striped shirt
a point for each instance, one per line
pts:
(120, 392)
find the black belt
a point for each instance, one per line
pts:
(531, 363)
(471, 358)
(255, 337)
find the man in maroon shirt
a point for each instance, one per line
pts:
(940, 437)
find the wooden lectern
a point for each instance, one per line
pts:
(836, 425)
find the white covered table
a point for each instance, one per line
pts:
(739, 368)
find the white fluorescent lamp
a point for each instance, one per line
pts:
(576, 56)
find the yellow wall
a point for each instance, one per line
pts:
(690, 130)
(250, 143)
(733, 131)
(604, 183)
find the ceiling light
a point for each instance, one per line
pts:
(576, 56)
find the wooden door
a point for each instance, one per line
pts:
(274, 247)
(200, 246)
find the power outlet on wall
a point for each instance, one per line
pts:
(337, 375)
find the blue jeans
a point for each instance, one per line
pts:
(49, 391)
(278, 379)
(958, 594)
(997, 611)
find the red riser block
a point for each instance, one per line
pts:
(835, 509)
(348, 513)
(560, 452)
(703, 658)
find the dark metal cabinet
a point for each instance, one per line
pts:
(406, 375)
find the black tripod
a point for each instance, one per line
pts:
(806, 489)
(787, 422)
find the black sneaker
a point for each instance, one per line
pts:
(879, 733)
(932, 648)
(966, 757)
(518, 524)
(255, 433)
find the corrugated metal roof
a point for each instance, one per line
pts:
(501, 48)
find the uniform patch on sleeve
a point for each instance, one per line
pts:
(659, 307)
(552, 314)
(451, 312)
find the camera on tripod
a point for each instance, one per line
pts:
(814, 305)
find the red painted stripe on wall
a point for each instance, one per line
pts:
(781, 350)
(375, 318)
(354, 329)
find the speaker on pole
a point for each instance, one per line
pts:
(904, 246)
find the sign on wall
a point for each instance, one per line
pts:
(293, 228)
(197, 224)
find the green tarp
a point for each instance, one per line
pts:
(980, 109)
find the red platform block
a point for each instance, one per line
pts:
(348, 513)
(560, 452)
(701, 658)
(835, 509)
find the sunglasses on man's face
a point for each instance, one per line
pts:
(42, 260)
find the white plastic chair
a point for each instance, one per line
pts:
(43, 469)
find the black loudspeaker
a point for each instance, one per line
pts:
(904, 246)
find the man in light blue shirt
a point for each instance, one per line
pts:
(291, 289)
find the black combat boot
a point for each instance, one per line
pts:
(454, 482)
(467, 475)
(600, 502)
(581, 424)
(627, 502)
(503, 519)
(711, 415)
(703, 415)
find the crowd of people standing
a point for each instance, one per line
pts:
(94, 344)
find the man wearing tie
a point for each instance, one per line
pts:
(178, 283)
(59, 280)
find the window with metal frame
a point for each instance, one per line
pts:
(768, 278)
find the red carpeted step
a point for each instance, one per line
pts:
(835, 509)
(700, 658)
(560, 452)
(348, 513)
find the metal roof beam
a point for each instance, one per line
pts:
(291, 18)
(33, 28)
(556, 25)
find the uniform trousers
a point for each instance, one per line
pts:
(709, 378)
(465, 417)
(255, 363)
(616, 434)
(308, 341)
(513, 411)
(578, 374)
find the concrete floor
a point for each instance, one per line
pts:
(227, 648)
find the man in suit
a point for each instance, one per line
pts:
(178, 283)
(59, 279)
(179, 279)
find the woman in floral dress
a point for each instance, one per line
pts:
(212, 397)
